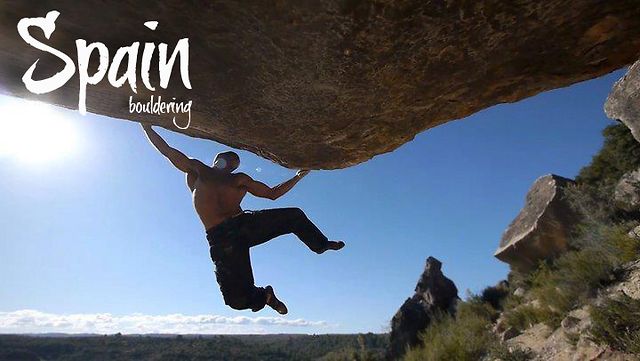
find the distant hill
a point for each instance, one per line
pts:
(192, 347)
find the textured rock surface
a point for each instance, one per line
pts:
(630, 284)
(555, 345)
(331, 83)
(627, 192)
(434, 293)
(541, 228)
(624, 101)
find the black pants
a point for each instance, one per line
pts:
(229, 244)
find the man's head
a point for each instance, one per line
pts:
(226, 161)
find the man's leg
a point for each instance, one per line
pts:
(261, 226)
(235, 277)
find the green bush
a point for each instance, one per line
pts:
(593, 203)
(573, 278)
(525, 316)
(495, 296)
(518, 279)
(616, 323)
(626, 248)
(463, 338)
(511, 303)
(619, 154)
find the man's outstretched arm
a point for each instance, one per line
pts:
(177, 158)
(262, 190)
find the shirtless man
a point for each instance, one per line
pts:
(217, 193)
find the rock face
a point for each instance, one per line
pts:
(434, 293)
(331, 83)
(627, 192)
(541, 228)
(624, 101)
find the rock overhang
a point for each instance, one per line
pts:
(330, 84)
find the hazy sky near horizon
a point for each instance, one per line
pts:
(100, 234)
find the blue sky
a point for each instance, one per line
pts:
(105, 239)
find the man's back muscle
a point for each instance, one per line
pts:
(216, 196)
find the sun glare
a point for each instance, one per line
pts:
(35, 132)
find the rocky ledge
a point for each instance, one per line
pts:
(329, 84)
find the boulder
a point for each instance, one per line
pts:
(627, 192)
(332, 83)
(624, 101)
(541, 229)
(434, 294)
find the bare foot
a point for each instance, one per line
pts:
(274, 302)
(334, 246)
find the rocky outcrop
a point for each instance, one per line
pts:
(624, 101)
(541, 229)
(630, 285)
(627, 192)
(328, 84)
(434, 294)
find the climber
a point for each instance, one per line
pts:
(230, 231)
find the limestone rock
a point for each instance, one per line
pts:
(519, 292)
(533, 338)
(500, 326)
(434, 293)
(330, 83)
(624, 101)
(541, 228)
(570, 323)
(630, 284)
(627, 192)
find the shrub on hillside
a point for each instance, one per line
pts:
(525, 316)
(465, 337)
(571, 279)
(616, 323)
(619, 154)
(495, 296)
(593, 202)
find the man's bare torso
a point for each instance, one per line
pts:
(216, 195)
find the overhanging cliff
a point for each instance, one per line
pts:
(329, 84)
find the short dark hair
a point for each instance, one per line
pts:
(228, 154)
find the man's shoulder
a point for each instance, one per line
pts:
(241, 177)
(199, 166)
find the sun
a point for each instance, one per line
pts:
(35, 132)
